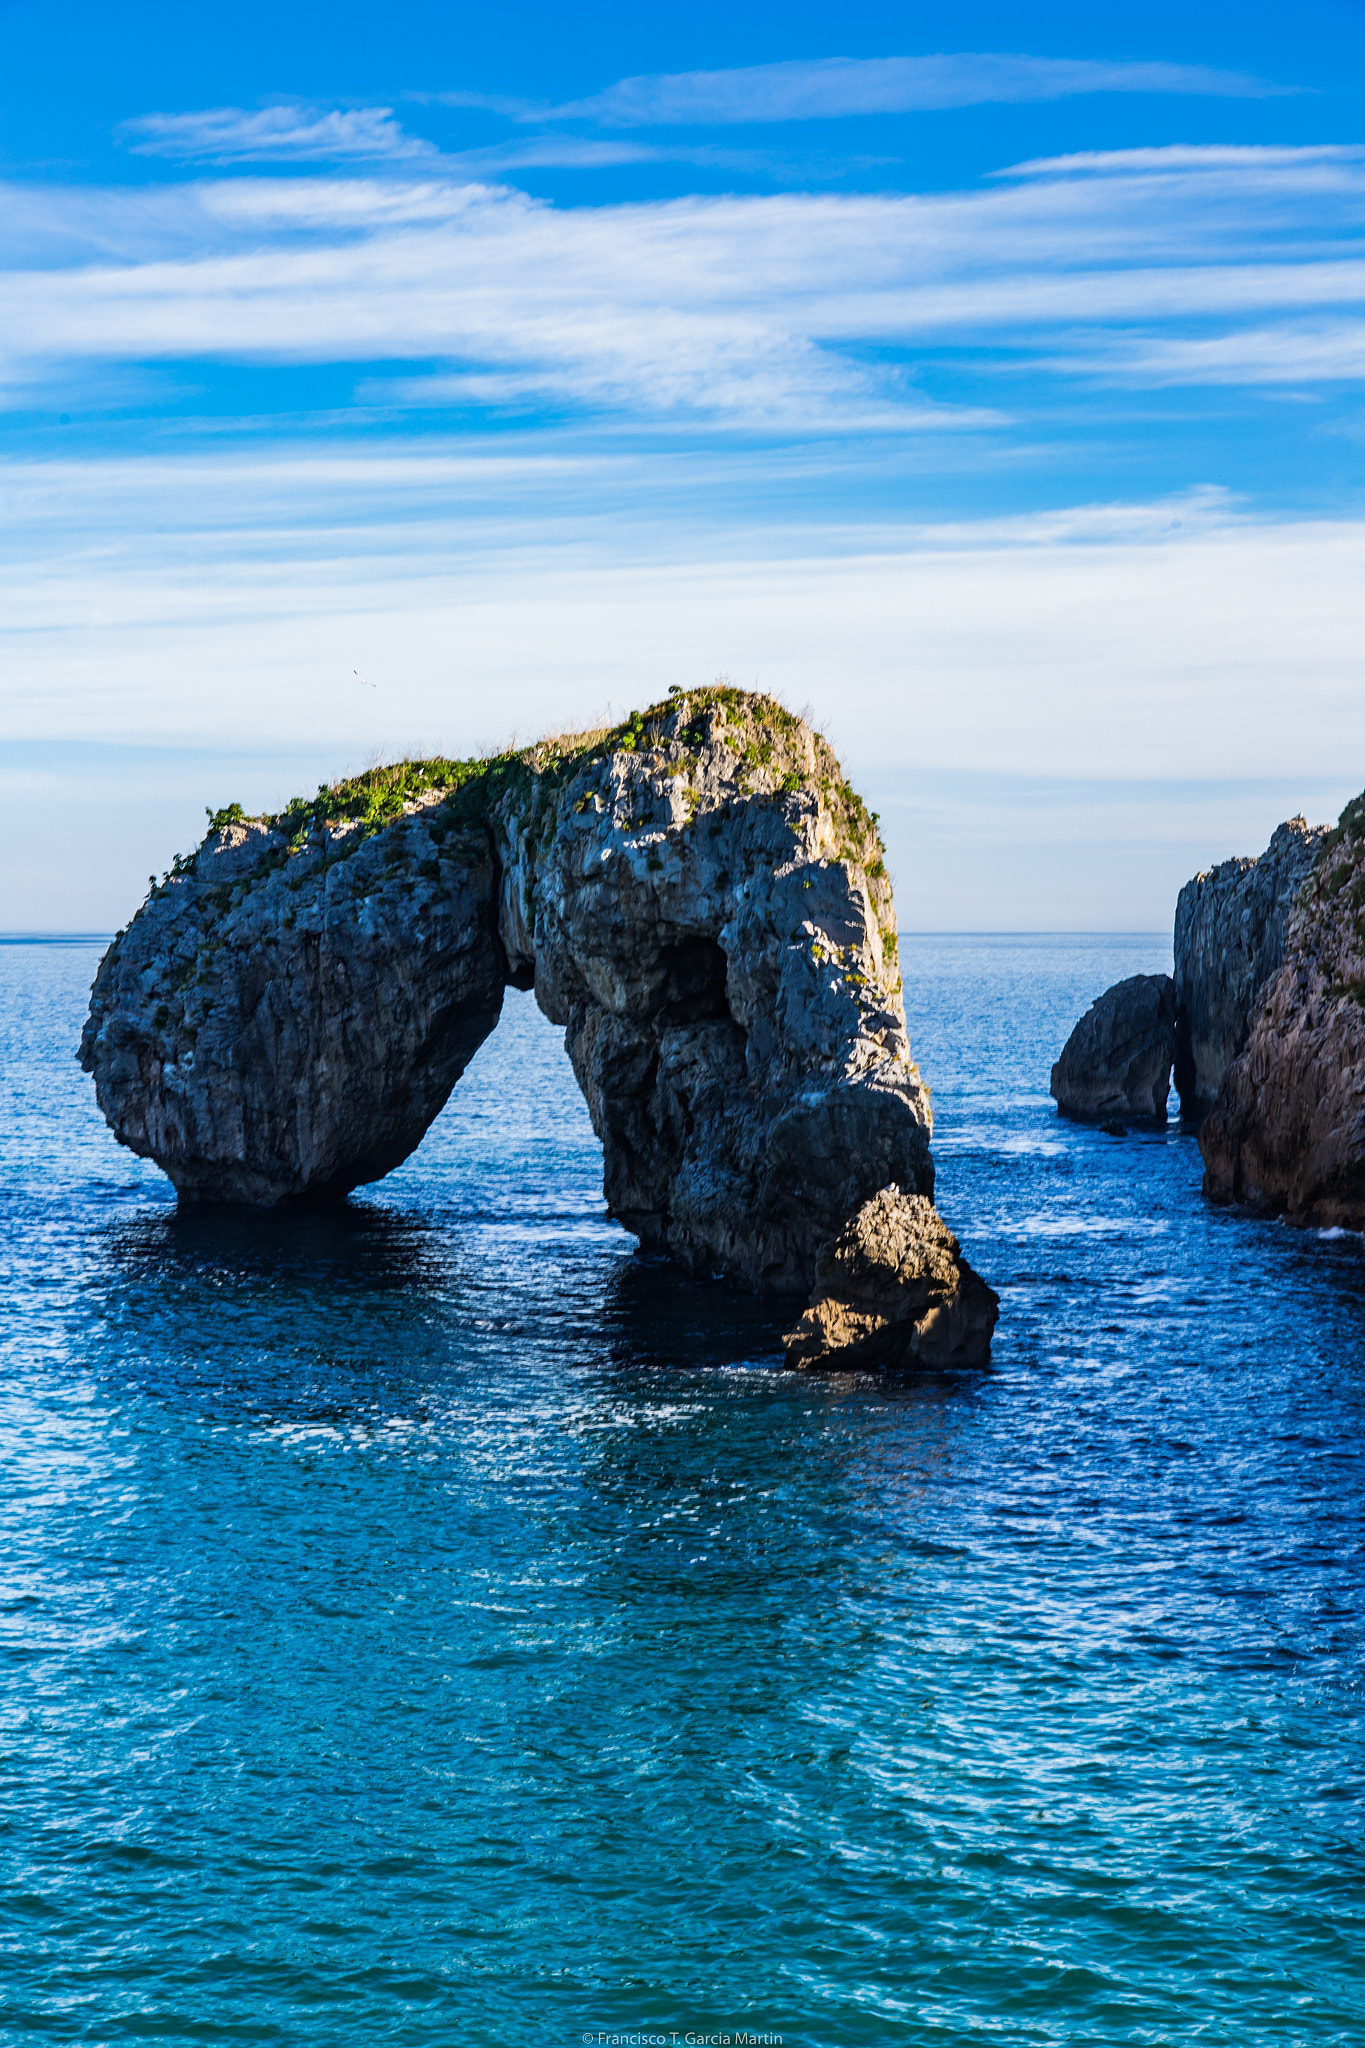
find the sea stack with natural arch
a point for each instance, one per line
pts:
(697, 896)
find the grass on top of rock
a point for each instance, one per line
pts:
(776, 753)
(1349, 828)
(769, 741)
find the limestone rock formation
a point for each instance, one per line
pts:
(697, 896)
(1230, 926)
(1117, 1062)
(1287, 1132)
(893, 1290)
(287, 1014)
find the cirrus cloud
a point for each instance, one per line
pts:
(278, 134)
(829, 88)
(794, 313)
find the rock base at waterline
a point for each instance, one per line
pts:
(893, 1291)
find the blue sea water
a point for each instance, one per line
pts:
(433, 1624)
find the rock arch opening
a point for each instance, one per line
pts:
(697, 897)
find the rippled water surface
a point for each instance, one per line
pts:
(433, 1624)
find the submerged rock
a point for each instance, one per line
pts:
(1230, 928)
(697, 896)
(1117, 1062)
(1287, 1132)
(893, 1290)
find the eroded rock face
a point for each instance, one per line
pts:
(1287, 1132)
(1116, 1065)
(698, 898)
(894, 1291)
(1230, 929)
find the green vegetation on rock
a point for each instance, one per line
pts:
(769, 740)
(777, 754)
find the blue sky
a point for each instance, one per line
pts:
(989, 382)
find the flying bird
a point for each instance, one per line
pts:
(364, 679)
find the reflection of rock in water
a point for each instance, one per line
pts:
(697, 896)
(654, 1315)
(329, 1320)
(355, 1250)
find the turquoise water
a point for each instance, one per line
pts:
(433, 1624)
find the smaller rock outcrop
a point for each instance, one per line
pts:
(1230, 927)
(1287, 1132)
(1117, 1062)
(894, 1291)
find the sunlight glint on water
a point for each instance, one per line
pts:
(431, 1623)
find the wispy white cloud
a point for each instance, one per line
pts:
(550, 152)
(1173, 158)
(779, 314)
(785, 390)
(830, 87)
(482, 595)
(302, 134)
(279, 134)
(272, 578)
(1296, 352)
(569, 152)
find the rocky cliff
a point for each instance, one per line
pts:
(1287, 1132)
(1230, 935)
(697, 896)
(1230, 927)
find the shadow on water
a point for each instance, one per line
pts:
(314, 1315)
(339, 1311)
(354, 1248)
(334, 1311)
(655, 1318)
